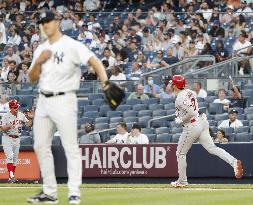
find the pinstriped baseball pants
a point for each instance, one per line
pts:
(58, 112)
(198, 130)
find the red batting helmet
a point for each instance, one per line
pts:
(178, 81)
(13, 104)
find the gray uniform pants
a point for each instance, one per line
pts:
(11, 149)
(198, 130)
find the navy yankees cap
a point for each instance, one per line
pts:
(233, 111)
(46, 17)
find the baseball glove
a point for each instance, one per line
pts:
(113, 94)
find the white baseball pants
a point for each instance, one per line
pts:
(58, 112)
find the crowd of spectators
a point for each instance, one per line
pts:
(132, 38)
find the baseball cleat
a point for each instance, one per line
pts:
(12, 180)
(42, 198)
(74, 200)
(238, 169)
(177, 184)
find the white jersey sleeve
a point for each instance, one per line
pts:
(186, 105)
(83, 54)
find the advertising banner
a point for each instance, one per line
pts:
(27, 166)
(152, 160)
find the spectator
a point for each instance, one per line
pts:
(237, 99)
(241, 48)
(136, 71)
(93, 24)
(90, 74)
(108, 56)
(141, 59)
(192, 50)
(12, 56)
(232, 121)
(204, 9)
(91, 5)
(221, 99)
(4, 103)
(139, 93)
(117, 74)
(66, 22)
(90, 137)
(14, 38)
(147, 38)
(116, 25)
(200, 92)
(221, 53)
(156, 62)
(13, 68)
(244, 10)
(220, 137)
(23, 73)
(136, 136)
(216, 30)
(166, 93)
(170, 59)
(151, 86)
(215, 15)
(122, 135)
(5, 70)
(3, 39)
(228, 16)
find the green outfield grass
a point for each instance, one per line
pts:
(140, 194)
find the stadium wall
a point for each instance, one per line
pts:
(136, 161)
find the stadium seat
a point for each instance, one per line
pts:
(210, 99)
(130, 113)
(221, 117)
(26, 140)
(230, 137)
(84, 120)
(248, 110)
(161, 130)
(175, 138)
(199, 99)
(248, 87)
(243, 137)
(163, 138)
(91, 114)
(133, 101)
(116, 119)
(143, 121)
(159, 123)
(171, 112)
(249, 116)
(95, 96)
(215, 108)
(143, 113)
(156, 107)
(114, 114)
(148, 131)
(139, 107)
(103, 110)
(82, 103)
(151, 137)
(25, 101)
(242, 129)
(101, 126)
(166, 101)
(88, 108)
(228, 130)
(102, 120)
(245, 122)
(98, 102)
(169, 106)
(159, 113)
(124, 108)
(176, 130)
(150, 101)
(130, 119)
(212, 122)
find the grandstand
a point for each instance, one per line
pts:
(149, 26)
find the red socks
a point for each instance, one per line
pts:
(10, 168)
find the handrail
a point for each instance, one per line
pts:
(207, 68)
(236, 51)
(184, 61)
(159, 118)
